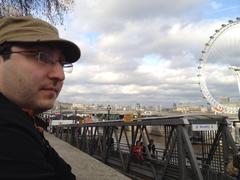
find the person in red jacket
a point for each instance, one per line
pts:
(138, 150)
(33, 59)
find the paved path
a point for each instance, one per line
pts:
(84, 166)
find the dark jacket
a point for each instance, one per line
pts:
(24, 152)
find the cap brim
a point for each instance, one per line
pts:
(69, 49)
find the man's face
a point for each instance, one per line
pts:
(29, 83)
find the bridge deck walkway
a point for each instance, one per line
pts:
(84, 166)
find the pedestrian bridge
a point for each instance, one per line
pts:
(189, 147)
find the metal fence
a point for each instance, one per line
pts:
(181, 151)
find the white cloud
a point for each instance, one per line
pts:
(137, 51)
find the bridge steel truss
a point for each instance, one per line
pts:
(180, 152)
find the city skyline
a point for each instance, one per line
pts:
(141, 52)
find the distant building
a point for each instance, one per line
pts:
(78, 106)
(174, 106)
(61, 106)
(224, 100)
(188, 107)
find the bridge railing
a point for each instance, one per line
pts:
(186, 147)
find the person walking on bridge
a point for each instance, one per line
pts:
(33, 59)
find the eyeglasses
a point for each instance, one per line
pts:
(47, 59)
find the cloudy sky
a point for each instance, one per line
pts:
(147, 51)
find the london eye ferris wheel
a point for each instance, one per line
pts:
(219, 68)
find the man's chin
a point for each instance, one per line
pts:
(44, 106)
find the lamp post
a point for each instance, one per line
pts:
(75, 113)
(61, 116)
(108, 109)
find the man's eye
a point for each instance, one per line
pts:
(44, 57)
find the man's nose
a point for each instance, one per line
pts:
(57, 72)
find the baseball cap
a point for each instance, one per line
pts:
(26, 29)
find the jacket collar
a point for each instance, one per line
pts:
(5, 103)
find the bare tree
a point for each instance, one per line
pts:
(53, 10)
